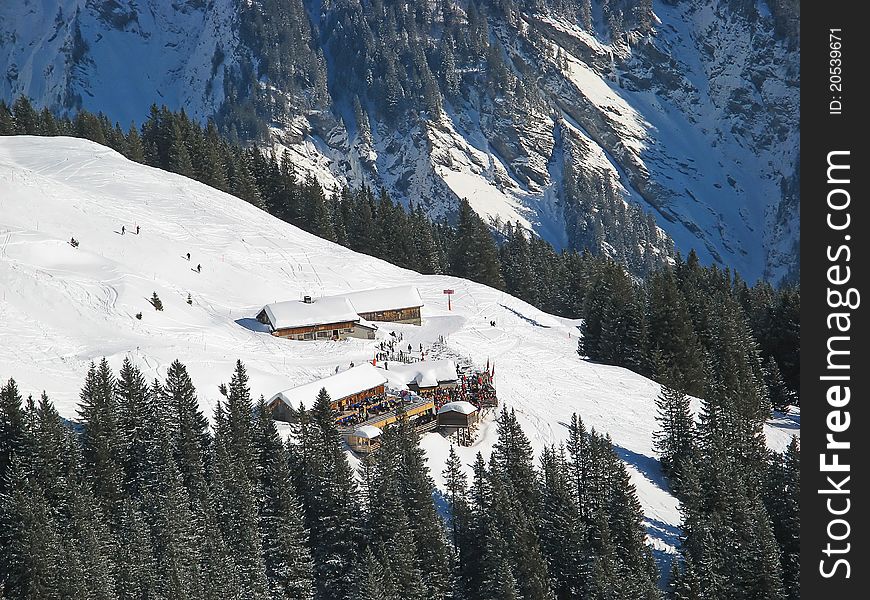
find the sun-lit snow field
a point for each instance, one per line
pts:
(63, 307)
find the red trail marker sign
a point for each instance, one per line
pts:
(449, 294)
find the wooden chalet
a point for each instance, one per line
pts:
(329, 318)
(395, 304)
(347, 390)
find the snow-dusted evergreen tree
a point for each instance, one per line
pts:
(188, 430)
(234, 485)
(416, 489)
(135, 408)
(675, 439)
(285, 553)
(389, 530)
(103, 442)
(614, 327)
(782, 500)
(474, 254)
(328, 492)
(561, 529)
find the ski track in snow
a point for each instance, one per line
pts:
(63, 307)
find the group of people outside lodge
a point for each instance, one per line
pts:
(475, 388)
(369, 407)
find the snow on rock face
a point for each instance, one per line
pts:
(63, 307)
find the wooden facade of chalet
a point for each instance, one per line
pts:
(339, 330)
(457, 419)
(323, 331)
(281, 411)
(343, 404)
(409, 315)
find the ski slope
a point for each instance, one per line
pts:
(63, 307)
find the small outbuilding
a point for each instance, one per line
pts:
(457, 414)
(458, 418)
(365, 439)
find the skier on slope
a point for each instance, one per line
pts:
(199, 268)
(123, 230)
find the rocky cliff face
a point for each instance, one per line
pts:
(623, 126)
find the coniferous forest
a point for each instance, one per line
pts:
(141, 497)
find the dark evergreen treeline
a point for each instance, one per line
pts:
(690, 326)
(740, 501)
(140, 498)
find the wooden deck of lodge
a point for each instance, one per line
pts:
(419, 406)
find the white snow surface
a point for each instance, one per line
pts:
(340, 385)
(320, 311)
(63, 307)
(426, 373)
(368, 432)
(392, 298)
(466, 408)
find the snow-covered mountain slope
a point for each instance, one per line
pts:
(63, 307)
(688, 110)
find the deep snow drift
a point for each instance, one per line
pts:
(63, 307)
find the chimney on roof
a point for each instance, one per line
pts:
(307, 299)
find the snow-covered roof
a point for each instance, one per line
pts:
(321, 311)
(341, 385)
(426, 373)
(368, 432)
(466, 408)
(392, 298)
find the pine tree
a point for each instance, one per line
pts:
(286, 557)
(562, 533)
(780, 396)
(179, 156)
(613, 329)
(166, 510)
(474, 254)
(416, 490)
(12, 429)
(7, 123)
(134, 414)
(30, 546)
(135, 149)
(511, 462)
(676, 438)
(156, 302)
(235, 498)
(389, 529)
(25, 117)
(456, 486)
(671, 334)
(188, 430)
(102, 440)
(328, 493)
(782, 500)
